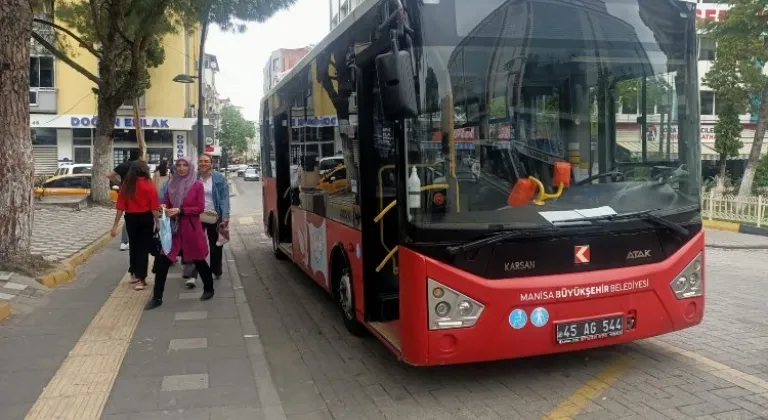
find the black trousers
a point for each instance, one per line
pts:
(211, 231)
(162, 264)
(140, 228)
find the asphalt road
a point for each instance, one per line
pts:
(718, 370)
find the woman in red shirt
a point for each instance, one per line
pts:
(139, 200)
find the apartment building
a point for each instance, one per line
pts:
(63, 107)
(280, 62)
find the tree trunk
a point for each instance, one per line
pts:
(723, 162)
(102, 151)
(757, 146)
(16, 159)
(140, 143)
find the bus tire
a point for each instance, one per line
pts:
(344, 293)
(275, 238)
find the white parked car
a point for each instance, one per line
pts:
(73, 169)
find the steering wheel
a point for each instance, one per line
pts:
(618, 174)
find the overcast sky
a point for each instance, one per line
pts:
(242, 56)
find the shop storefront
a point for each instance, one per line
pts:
(69, 138)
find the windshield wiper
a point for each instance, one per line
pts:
(498, 237)
(645, 215)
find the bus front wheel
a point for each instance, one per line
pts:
(345, 296)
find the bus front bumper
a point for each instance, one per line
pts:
(544, 314)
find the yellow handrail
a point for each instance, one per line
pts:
(386, 259)
(543, 196)
(385, 211)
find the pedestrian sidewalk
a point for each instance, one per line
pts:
(196, 360)
(92, 352)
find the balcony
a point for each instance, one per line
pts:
(42, 100)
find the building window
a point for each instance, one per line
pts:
(83, 155)
(41, 72)
(82, 136)
(706, 49)
(707, 102)
(44, 136)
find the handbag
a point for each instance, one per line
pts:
(156, 247)
(209, 217)
(165, 233)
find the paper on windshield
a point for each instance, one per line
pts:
(566, 215)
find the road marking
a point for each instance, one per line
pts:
(725, 372)
(80, 388)
(247, 220)
(588, 392)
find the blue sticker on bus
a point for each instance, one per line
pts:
(518, 318)
(539, 317)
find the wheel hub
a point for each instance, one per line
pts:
(345, 295)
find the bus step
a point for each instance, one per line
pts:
(286, 248)
(390, 306)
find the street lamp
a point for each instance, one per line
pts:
(185, 78)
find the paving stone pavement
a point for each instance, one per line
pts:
(324, 373)
(24, 292)
(190, 359)
(59, 232)
(290, 357)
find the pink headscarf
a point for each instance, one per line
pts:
(179, 186)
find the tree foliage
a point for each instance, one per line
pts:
(727, 134)
(737, 73)
(235, 130)
(126, 37)
(658, 92)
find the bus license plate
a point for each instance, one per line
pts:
(589, 329)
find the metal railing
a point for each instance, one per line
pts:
(749, 209)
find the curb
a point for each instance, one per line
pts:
(66, 270)
(735, 227)
(271, 404)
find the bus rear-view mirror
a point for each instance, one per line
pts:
(397, 85)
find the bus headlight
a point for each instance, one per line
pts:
(450, 309)
(689, 283)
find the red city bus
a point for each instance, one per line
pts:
(520, 177)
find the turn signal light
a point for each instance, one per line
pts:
(522, 193)
(562, 174)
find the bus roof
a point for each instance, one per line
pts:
(342, 27)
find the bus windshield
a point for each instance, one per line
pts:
(512, 87)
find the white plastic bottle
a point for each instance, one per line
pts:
(414, 190)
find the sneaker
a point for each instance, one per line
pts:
(124, 247)
(141, 285)
(152, 304)
(207, 295)
(190, 283)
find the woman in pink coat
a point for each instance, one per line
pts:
(184, 201)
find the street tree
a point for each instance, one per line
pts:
(126, 37)
(727, 136)
(743, 50)
(16, 163)
(725, 79)
(234, 130)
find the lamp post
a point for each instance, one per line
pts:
(184, 78)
